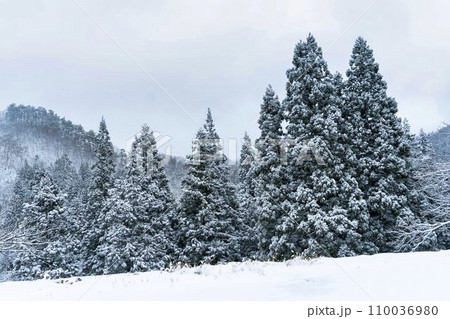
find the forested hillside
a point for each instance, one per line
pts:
(34, 131)
(27, 132)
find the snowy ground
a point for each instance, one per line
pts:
(412, 276)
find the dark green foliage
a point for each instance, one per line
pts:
(209, 222)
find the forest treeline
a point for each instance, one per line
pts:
(334, 172)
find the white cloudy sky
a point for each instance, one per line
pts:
(218, 54)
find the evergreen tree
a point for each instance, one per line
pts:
(102, 182)
(154, 222)
(421, 147)
(76, 193)
(135, 223)
(48, 250)
(326, 204)
(103, 168)
(116, 251)
(84, 181)
(209, 221)
(246, 197)
(269, 178)
(379, 144)
(21, 193)
(65, 176)
(79, 214)
(26, 179)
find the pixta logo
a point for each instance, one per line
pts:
(287, 151)
(162, 144)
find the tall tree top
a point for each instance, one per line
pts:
(310, 93)
(103, 167)
(365, 82)
(307, 56)
(271, 115)
(209, 127)
(102, 128)
(247, 153)
(363, 65)
(246, 137)
(104, 145)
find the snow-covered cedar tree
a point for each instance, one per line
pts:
(209, 224)
(269, 176)
(154, 233)
(65, 176)
(101, 183)
(246, 198)
(135, 224)
(378, 142)
(326, 204)
(103, 168)
(47, 231)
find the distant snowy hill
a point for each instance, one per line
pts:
(27, 132)
(378, 277)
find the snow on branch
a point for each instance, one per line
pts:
(432, 226)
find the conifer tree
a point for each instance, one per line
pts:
(65, 176)
(101, 183)
(156, 244)
(26, 179)
(48, 249)
(207, 213)
(116, 251)
(75, 193)
(135, 223)
(269, 177)
(103, 168)
(379, 144)
(246, 197)
(421, 146)
(325, 202)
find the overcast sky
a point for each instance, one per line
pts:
(218, 54)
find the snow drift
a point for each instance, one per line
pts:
(409, 276)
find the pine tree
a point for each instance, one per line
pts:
(325, 202)
(269, 177)
(26, 179)
(135, 224)
(48, 249)
(75, 192)
(379, 144)
(21, 193)
(246, 197)
(421, 148)
(116, 250)
(79, 214)
(65, 176)
(156, 244)
(207, 213)
(84, 181)
(103, 168)
(102, 182)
